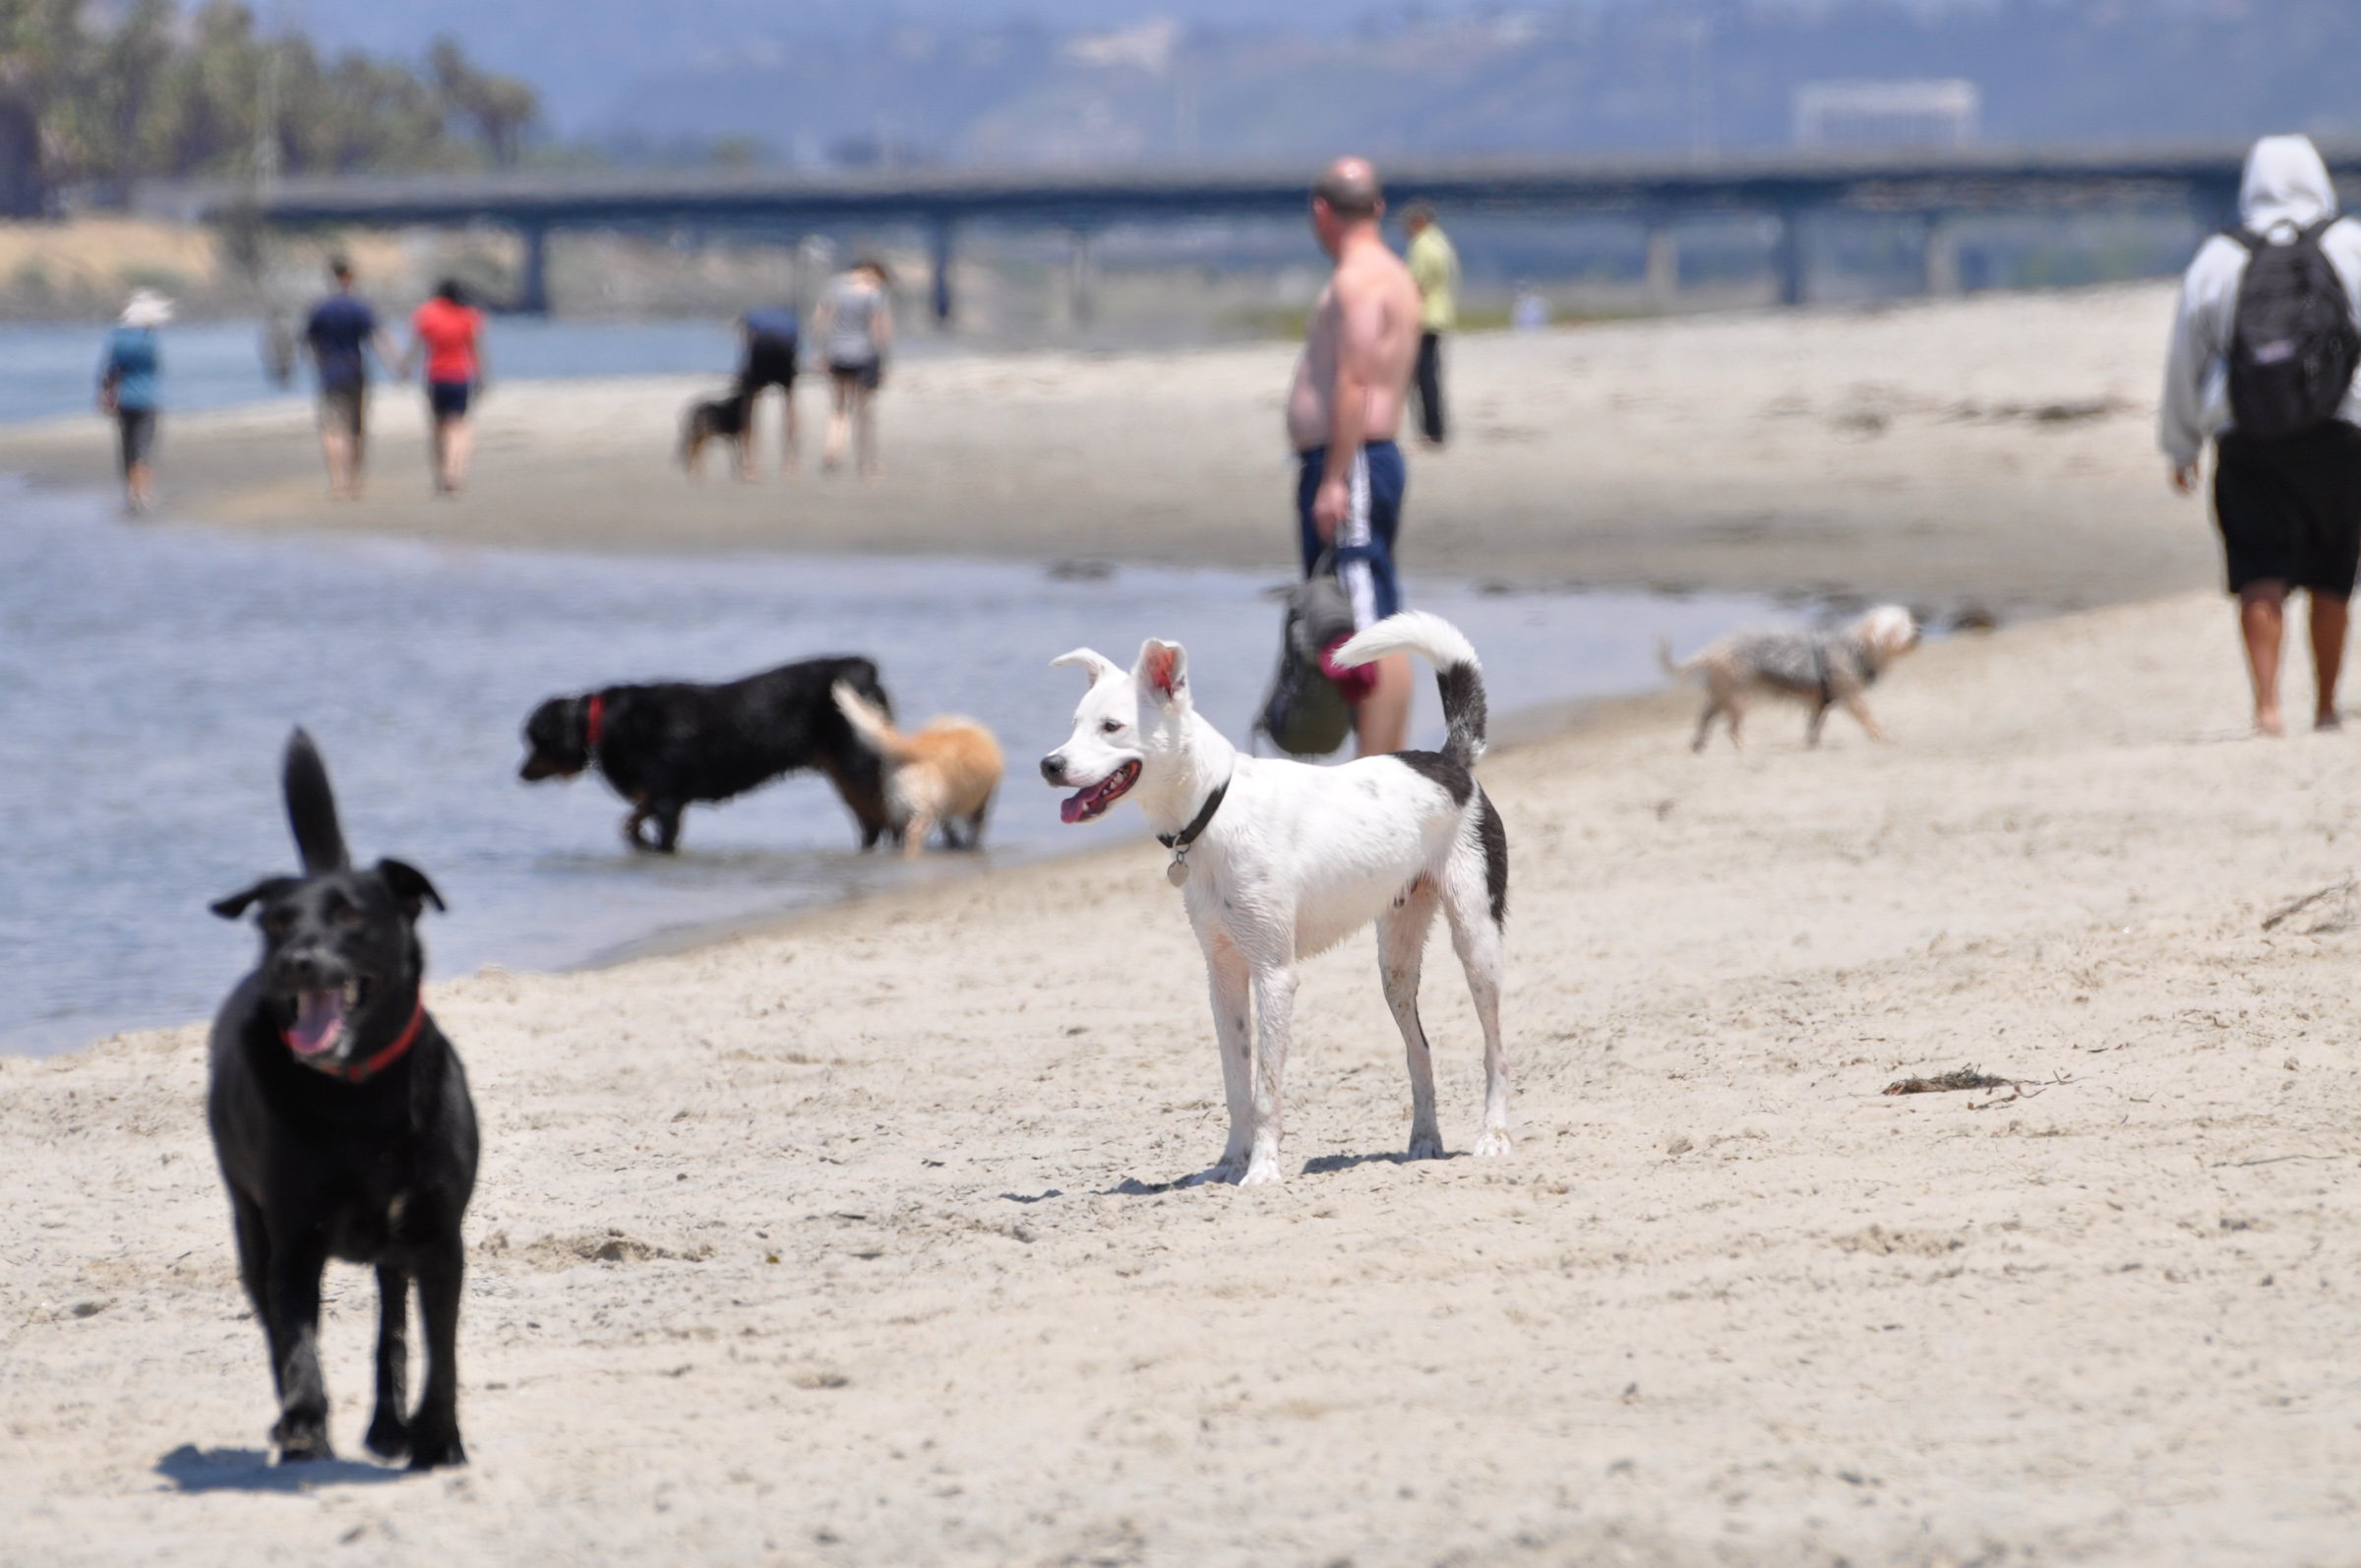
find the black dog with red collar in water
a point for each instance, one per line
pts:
(341, 1119)
(670, 745)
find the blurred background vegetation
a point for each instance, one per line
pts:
(94, 99)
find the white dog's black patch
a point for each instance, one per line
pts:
(1435, 767)
(1494, 835)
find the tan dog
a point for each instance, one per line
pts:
(1821, 670)
(944, 775)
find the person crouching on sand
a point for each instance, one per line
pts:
(2264, 348)
(127, 379)
(448, 334)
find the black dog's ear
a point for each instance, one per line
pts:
(312, 808)
(267, 888)
(411, 885)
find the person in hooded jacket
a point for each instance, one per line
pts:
(2288, 507)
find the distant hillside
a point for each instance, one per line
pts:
(585, 55)
(1620, 76)
(1097, 79)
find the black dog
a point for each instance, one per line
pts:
(341, 1119)
(712, 419)
(665, 747)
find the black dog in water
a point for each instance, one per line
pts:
(666, 746)
(341, 1119)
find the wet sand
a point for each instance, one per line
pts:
(1993, 451)
(851, 1242)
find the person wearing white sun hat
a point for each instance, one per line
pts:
(127, 377)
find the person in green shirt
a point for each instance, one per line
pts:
(1434, 268)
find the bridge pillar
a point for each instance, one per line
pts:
(1787, 256)
(532, 284)
(1941, 255)
(1664, 264)
(939, 257)
(1081, 285)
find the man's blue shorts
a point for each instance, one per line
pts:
(1364, 540)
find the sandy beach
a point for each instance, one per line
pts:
(855, 1241)
(1725, 1301)
(1992, 453)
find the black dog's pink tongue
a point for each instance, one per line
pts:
(319, 1022)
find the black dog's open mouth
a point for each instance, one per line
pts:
(1086, 805)
(539, 767)
(320, 1017)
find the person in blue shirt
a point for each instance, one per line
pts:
(770, 332)
(339, 335)
(126, 377)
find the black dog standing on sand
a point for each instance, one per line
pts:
(664, 748)
(341, 1119)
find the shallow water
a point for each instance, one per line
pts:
(50, 370)
(149, 677)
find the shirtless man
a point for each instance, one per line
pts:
(1342, 415)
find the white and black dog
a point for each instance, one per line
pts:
(1280, 860)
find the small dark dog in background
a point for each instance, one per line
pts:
(665, 747)
(342, 1124)
(712, 419)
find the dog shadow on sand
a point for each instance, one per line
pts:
(1324, 1164)
(191, 1468)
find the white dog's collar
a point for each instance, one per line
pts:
(1178, 871)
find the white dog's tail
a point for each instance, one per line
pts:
(869, 721)
(1663, 656)
(1457, 671)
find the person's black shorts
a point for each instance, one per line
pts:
(137, 427)
(769, 362)
(866, 373)
(449, 399)
(344, 410)
(2289, 509)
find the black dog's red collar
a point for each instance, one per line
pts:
(593, 721)
(361, 1073)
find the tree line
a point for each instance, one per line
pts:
(98, 98)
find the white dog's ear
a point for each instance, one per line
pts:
(1162, 671)
(1091, 659)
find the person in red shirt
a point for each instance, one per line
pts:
(448, 334)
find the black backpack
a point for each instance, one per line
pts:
(2293, 343)
(1305, 714)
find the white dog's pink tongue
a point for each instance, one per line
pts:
(319, 1022)
(1076, 805)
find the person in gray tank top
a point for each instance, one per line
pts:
(855, 325)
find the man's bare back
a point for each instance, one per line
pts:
(1365, 324)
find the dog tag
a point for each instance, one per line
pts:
(1178, 871)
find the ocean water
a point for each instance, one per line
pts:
(150, 676)
(49, 370)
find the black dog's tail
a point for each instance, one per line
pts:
(312, 808)
(1456, 672)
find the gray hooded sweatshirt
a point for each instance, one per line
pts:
(2286, 189)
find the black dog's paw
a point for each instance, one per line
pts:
(434, 1453)
(301, 1444)
(388, 1436)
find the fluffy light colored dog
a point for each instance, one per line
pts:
(1278, 860)
(1821, 670)
(943, 775)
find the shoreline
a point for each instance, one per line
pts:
(1974, 456)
